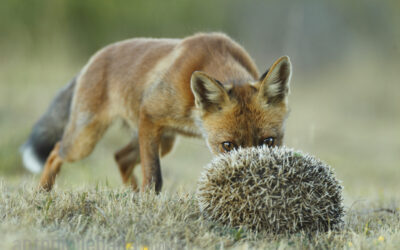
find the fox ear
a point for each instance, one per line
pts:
(209, 94)
(274, 84)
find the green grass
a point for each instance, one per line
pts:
(346, 119)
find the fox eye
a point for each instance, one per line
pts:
(228, 146)
(268, 141)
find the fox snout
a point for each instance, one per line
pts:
(246, 114)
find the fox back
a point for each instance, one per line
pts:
(204, 85)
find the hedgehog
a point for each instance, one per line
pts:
(277, 190)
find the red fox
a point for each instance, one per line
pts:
(205, 85)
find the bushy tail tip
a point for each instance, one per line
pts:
(30, 159)
(48, 130)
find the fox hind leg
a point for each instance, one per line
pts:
(128, 157)
(51, 169)
(81, 135)
(167, 143)
(78, 141)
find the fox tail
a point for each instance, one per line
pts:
(48, 130)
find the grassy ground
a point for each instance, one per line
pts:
(115, 217)
(348, 117)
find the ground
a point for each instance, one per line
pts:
(348, 117)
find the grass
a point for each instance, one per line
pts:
(347, 117)
(117, 217)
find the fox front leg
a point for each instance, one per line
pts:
(149, 144)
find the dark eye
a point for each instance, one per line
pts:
(268, 141)
(228, 146)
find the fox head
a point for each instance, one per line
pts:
(245, 115)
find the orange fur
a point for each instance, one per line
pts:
(151, 84)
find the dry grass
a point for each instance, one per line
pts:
(116, 217)
(347, 117)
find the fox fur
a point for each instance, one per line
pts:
(205, 85)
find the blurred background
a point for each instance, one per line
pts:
(345, 94)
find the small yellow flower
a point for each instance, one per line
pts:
(144, 248)
(381, 238)
(350, 244)
(129, 246)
